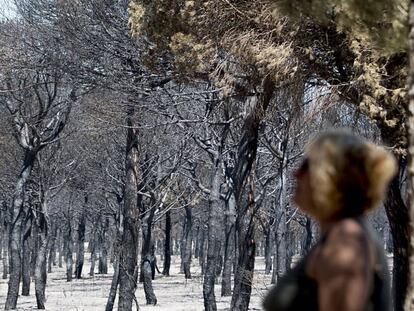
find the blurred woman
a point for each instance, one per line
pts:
(341, 178)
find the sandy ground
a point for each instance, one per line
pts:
(173, 293)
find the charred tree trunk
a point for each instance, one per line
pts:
(308, 237)
(114, 285)
(229, 246)
(147, 253)
(80, 250)
(40, 276)
(15, 231)
(52, 249)
(215, 227)
(167, 245)
(402, 244)
(247, 249)
(188, 240)
(201, 255)
(397, 213)
(129, 247)
(268, 250)
(93, 248)
(103, 253)
(117, 245)
(61, 248)
(68, 248)
(5, 252)
(26, 257)
(245, 223)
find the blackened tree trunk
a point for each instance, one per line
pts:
(61, 248)
(229, 246)
(201, 254)
(247, 249)
(167, 245)
(215, 227)
(408, 293)
(129, 247)
(397, 213)
(26, 255)
(308, 237)
(188, 240)
(147, 252)
(5, 251)
(15, 231)
(280, 230)
(52, 249)
(103, 254)
(93, 248)
(40, 276)
(268, 249)
(245, 223)
(117, 245)
(80, 250)
(114, 285)
(68, 249)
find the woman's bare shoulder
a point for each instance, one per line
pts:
(345, 250)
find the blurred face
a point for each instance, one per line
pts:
(303, 190)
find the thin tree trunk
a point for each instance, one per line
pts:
(114, 285)
(188, 239)
(15, 238)
(268, 250)
(229, 246)
(129, 246)
(61, 248)
(201, 255)
(167, 245)
(80, 250)
(308, 237)
(68, 253)
(5, 252)
(103, 254)
(40, 275)
(26, 256)
(214, 238)
(52, 249)
(147, 253)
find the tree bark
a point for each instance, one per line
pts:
(129, 246)
(147, 253)
(407, 292)
(52, 249)
(15, 235)
(26, 255)
(68, 248)
(40, 275)
(188, 240)
(397, 213)
(167, 245)
(5, 252)
(61, 248)
(214, 237)
(268, 250)
(114, 285)
(245, 223)
(80, 250)
(229, 246)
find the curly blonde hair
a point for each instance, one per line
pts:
(349, 175)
